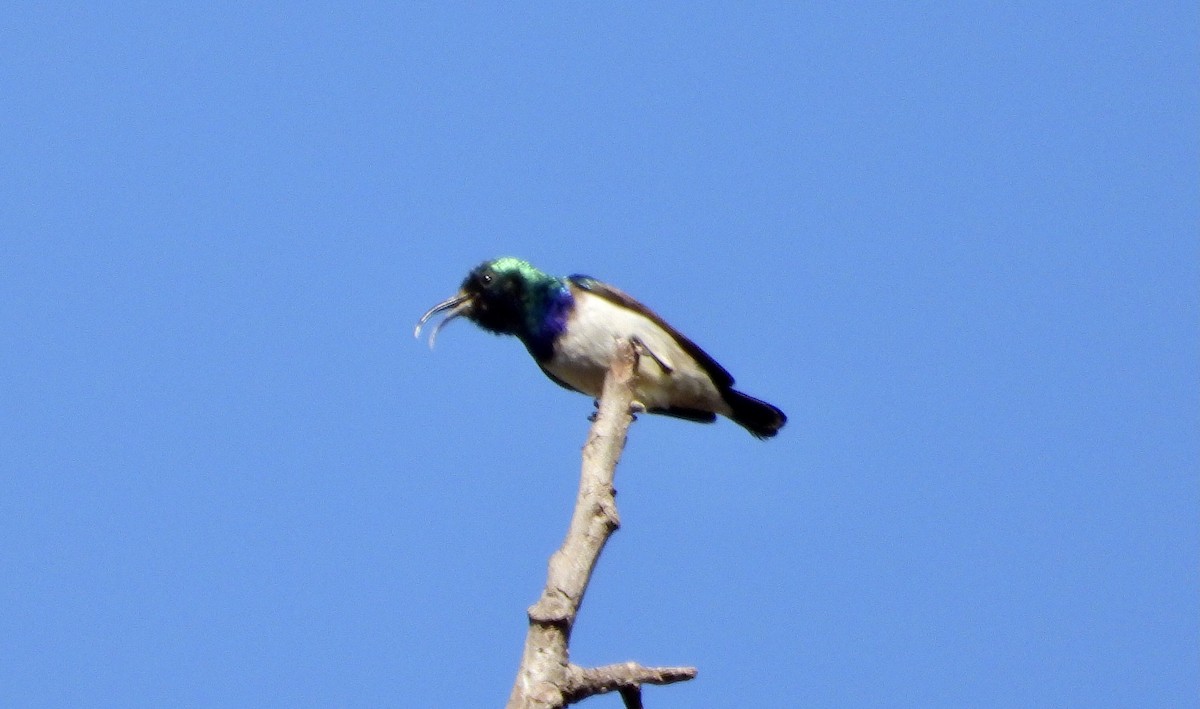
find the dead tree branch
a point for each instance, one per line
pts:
(546, 678)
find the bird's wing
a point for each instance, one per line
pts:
(721, 378)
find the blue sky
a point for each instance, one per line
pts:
(959, 245)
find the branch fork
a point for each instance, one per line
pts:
(546, 678)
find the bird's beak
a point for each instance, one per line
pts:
(459, 304)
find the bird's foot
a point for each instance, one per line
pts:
(635, 408)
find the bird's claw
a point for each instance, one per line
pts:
(635, 408)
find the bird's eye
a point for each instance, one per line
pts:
(486, 279)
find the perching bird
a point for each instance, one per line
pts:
(571, 326)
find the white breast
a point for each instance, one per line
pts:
(583, 352)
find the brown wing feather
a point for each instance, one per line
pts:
(721, 378)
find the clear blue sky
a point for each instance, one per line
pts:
(959, 245)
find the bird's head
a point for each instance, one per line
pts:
(495, 295)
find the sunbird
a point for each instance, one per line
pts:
(571, 327)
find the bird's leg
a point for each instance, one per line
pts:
(640, 348)
(592, 416)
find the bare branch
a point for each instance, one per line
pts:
(626, 678)
(546, 679)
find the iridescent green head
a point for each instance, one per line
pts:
(507, 296)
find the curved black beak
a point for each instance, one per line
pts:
(459, 304)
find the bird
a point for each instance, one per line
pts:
(571, 325)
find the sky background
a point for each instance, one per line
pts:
(958, 245)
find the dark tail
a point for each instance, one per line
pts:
(758, 417)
